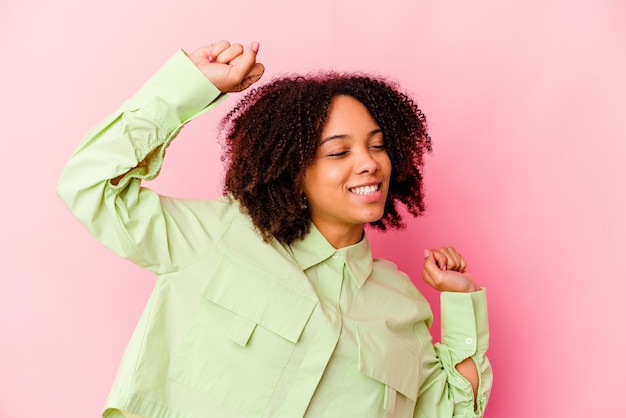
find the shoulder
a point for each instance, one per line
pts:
(394, 291)
(388, 272)
(221, 209)
(387, 276)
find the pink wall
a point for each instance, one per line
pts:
(525, 101)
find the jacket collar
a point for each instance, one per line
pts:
(314, 249)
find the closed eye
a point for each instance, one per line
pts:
(377, 147)
(338, 154)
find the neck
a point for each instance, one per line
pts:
(341, 237)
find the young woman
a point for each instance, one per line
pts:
(268, 302)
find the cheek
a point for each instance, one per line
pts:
(315, 181)
(385, 165)
(329, 176)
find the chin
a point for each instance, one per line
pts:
(375, 218)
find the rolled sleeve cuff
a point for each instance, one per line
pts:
(464, 324)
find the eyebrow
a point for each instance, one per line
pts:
(344, 136)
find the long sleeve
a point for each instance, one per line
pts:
(444, 392)
(154, 232)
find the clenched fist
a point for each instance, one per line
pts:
(444, 270)
(230, 67)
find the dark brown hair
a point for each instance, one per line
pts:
(272, 134)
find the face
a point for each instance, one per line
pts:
(346, 185)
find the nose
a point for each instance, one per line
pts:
(366, 163)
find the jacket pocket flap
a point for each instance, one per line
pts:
(387, 360)
(259, 296)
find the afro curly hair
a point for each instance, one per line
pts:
(271, 136)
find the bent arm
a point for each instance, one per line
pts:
(457, 376)
(128, 147)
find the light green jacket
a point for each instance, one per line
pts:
(236, 327)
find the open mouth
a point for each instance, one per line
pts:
(365, 190)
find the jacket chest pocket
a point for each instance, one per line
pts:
(393, 364)
(242, 337)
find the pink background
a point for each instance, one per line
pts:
(525, 101)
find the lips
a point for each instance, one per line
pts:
(365, 190)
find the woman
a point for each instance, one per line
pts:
(268, 302)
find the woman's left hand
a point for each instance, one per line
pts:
(444, 270)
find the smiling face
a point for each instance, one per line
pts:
(346, 185)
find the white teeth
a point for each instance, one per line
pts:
(364, 189)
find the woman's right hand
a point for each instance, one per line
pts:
(230, 67)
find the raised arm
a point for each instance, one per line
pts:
(101, 183)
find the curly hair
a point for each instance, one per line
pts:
(272, 134)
